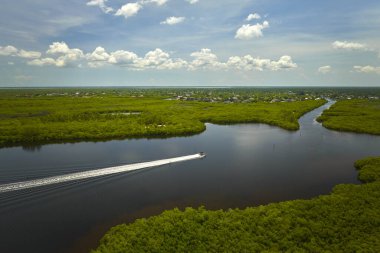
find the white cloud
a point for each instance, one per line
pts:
(192, 1)
(63, 56)
(8, 50)
(173, 20)
(159, 59)
(253, 16)
(67, 56)
(247, 32)
(349, 45)
(159, 2)
(102, 5)
(367, 69)
(153, 59)
(285, 62)
(28, 54)
(100, 57)
(42, 62)
(99, 54)
(58, 48)
(173, 64)
(121, 57)
(325, 69)
(129, 10)
(205, 59)
(13, 51)
(250, 63)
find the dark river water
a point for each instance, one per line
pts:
(246, 165)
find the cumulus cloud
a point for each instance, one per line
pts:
(28, 54)
(192, 1)
(13, 51)
(253, 16)
(8, 50)
(155, 59)
(325, 69)
(161, 60)
(367, 69)
(100, 57)
(129, 10)
(174, 64)
(173, 20)
(43, 62)
(205, 59)
(66, 56)
(248, 62)
(349, 45)
(122, 57)
(59, 54)
(247, 32)
(99, 54)
(101, 4)
(285, 62)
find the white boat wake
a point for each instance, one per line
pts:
(94, 173)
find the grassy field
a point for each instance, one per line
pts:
(39, 119)
(347, 220)
(361, 116)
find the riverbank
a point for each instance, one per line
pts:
(358, 115)
(40, 120)
(347, 220)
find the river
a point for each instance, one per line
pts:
(246, 165)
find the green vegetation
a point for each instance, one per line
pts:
(359, 115)
(347, 220)
(42, 116)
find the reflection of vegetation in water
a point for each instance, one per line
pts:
(347, 220)
(362, 116)
(42, 119)
(31, 148)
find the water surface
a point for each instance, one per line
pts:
(246, 165)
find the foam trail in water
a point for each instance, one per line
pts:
(94, 173)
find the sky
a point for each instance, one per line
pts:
(189, 43)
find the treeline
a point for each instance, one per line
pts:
(59, 119)
(347, 220)
(358, 115)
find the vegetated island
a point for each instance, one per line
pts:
(35, 117)
(347, 220)
(357, 115)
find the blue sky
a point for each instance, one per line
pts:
(190, 42)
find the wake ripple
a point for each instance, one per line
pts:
(94, 173)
